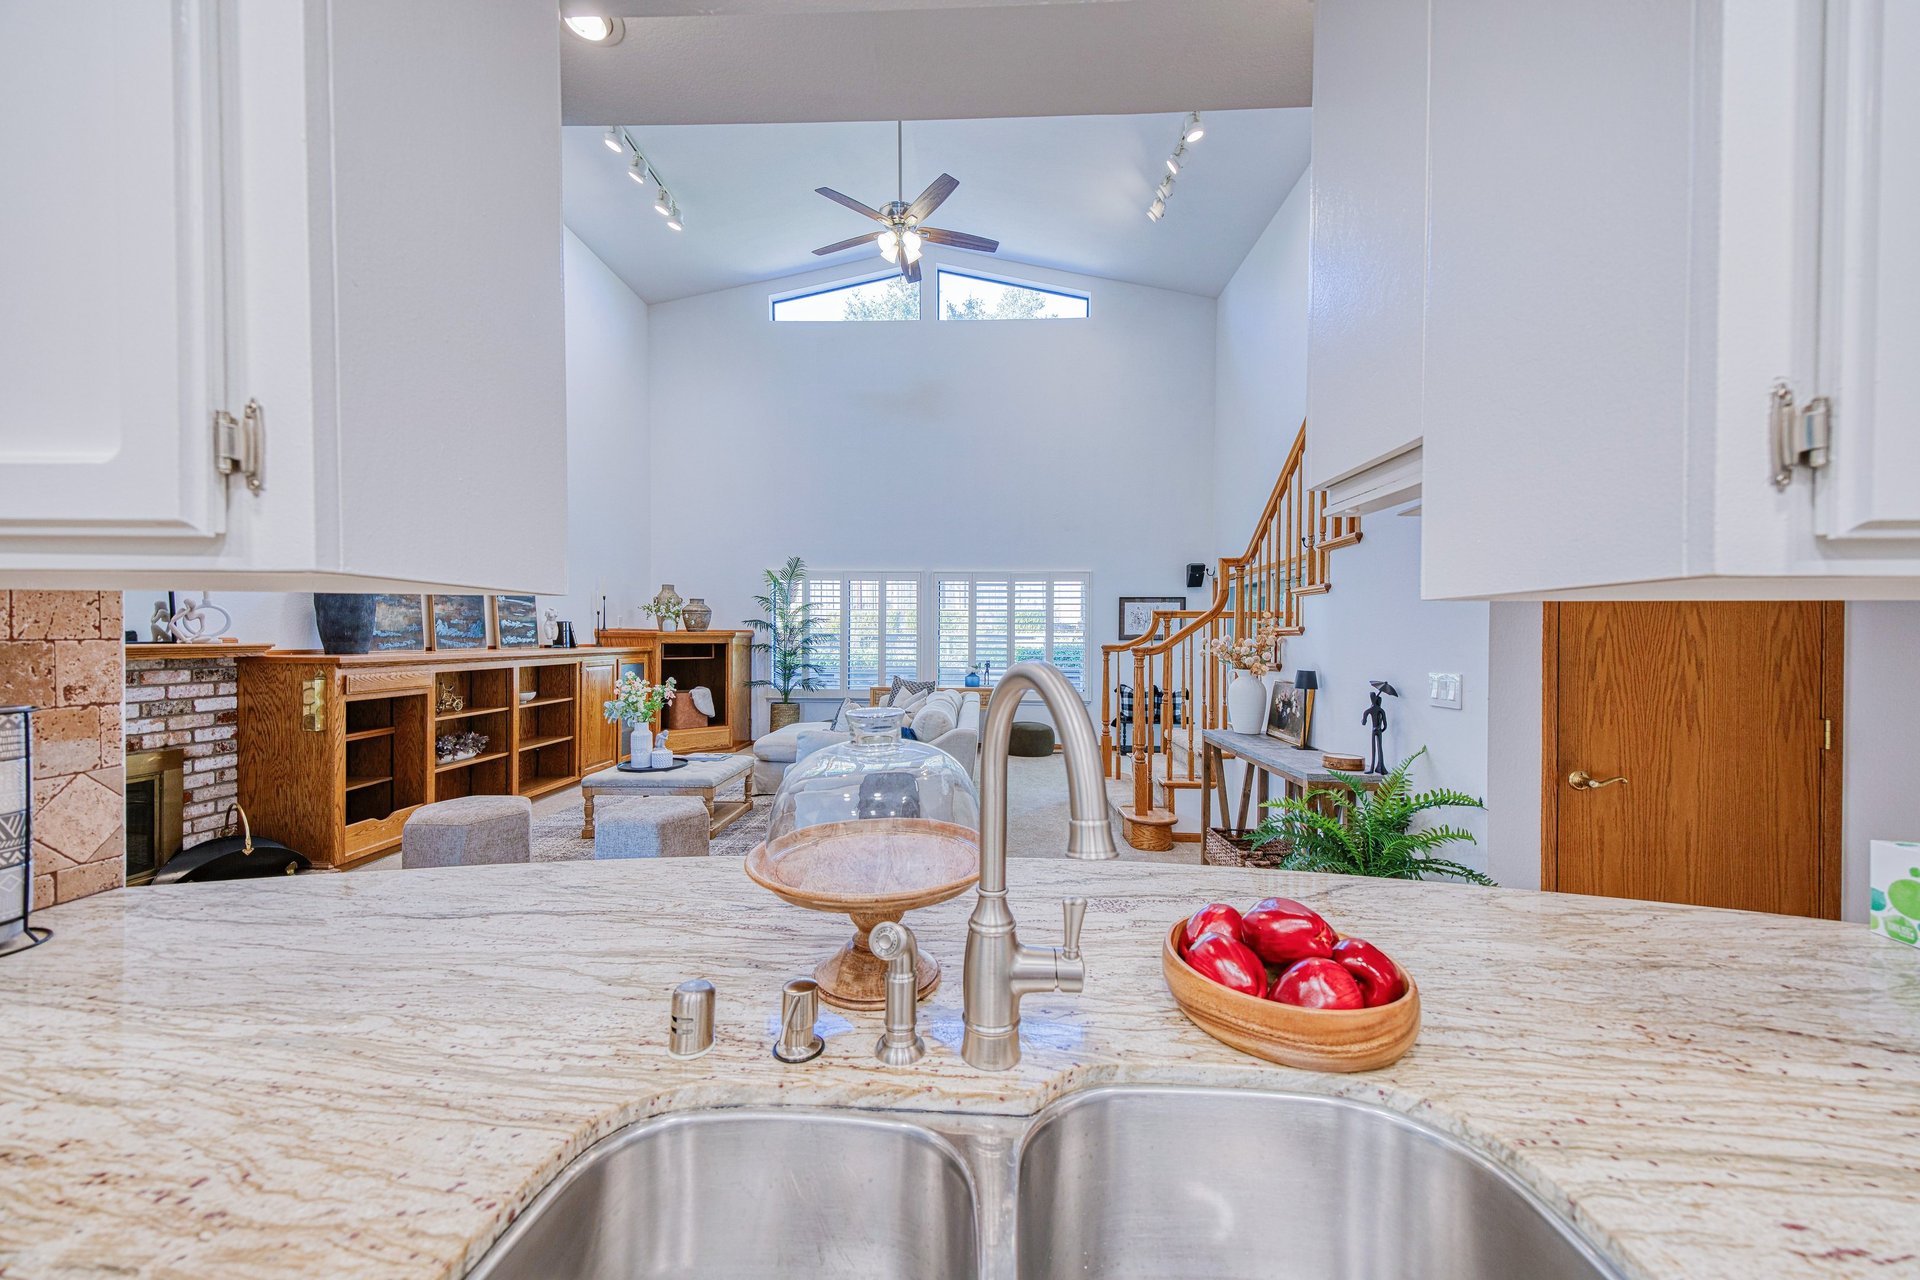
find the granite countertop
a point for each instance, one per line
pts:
(369, 1074)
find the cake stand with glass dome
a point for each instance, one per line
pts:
(872, 828)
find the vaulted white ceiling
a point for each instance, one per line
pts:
(1069, 192)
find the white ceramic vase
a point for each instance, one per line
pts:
(1246, 703)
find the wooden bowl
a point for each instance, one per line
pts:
(875, 870)
(1311, 1039)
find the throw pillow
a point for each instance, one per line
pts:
(840, 722)
(905, 691)
(912, 709)
(935, 720)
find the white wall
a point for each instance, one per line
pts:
(1070, 445)
(280, 618)
(1882, 739)
(612, 484)
(1260, 371)
(1514, 708)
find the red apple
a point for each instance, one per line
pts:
(1215, 917)
(1318, 984)
(1283, 931)
(1379, 981)
(1231, 963)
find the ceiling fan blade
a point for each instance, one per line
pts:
(960, 240)
(850, 202)
(868, 238)
(912, 272)
(930, 199)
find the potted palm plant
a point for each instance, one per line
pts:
(1368, 833)
(792, 632)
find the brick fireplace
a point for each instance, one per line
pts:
(189, 704)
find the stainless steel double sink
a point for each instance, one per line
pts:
(1169, 1183)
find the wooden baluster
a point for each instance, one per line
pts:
(1166, 718)
(1106, 714)
(1142, 784)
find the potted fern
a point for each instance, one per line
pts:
(1368, 832)
(792, 633)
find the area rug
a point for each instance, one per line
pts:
(1036, 820)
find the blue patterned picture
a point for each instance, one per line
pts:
(516, 621)
(459, 622)
(399, 622)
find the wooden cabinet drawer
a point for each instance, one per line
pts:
(363, 682)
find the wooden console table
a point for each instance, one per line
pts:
(1299, 769)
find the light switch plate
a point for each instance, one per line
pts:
(1443, 689)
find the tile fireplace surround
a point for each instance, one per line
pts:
(60, 653)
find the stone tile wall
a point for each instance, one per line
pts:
(191, 704)
(60, 653)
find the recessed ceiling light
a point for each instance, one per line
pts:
(597, 30)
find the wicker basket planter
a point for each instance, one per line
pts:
(782, 714)
(1223, 849)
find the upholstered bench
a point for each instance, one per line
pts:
(702, 778)
(468, 831)
(651, 827)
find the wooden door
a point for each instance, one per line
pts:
(599, 741)
(111, 337)
(1723, 719)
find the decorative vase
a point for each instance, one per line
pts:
(345, 621)
(973, 679)
(695, 614)
(781, 714)
(636, 742)
(1246, 703)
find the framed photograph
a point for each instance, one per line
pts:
(399, 622)
(1290, 713)
(1136, 612)
(516, 622)
(459, 622)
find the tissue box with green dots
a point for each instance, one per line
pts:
(1894, 900)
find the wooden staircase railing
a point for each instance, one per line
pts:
(1177, 690)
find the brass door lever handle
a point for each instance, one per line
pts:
(1581, 780)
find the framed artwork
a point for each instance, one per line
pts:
(1290, 713)
(516, 622)
(1136, 612)
(399, 622)
(459, 622)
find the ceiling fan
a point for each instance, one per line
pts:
(903, 226)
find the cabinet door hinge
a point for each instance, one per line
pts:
(1798, 434)
(1827, 730)
(239, 444)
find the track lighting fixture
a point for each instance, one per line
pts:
(641, 170)
(1191, 131)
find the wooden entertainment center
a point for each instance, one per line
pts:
(337, 750)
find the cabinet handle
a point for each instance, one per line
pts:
(1581, 780)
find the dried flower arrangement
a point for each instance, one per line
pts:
(453, 747)
(1256, 654)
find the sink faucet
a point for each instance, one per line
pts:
(999, 970)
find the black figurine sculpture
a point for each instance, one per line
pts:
(1375, 717)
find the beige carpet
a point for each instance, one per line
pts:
(1036, 820)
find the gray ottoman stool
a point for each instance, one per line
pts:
(1030, 738)
(468, 832)
(651, 827)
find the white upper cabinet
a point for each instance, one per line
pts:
(345, 212)
(1368, 251)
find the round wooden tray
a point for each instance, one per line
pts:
(1311, 1039)
(874, 870)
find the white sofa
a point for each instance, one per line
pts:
(777, 751)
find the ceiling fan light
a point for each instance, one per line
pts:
(613, 140)
(912, 240)
(1193, 130)
(889, 243)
